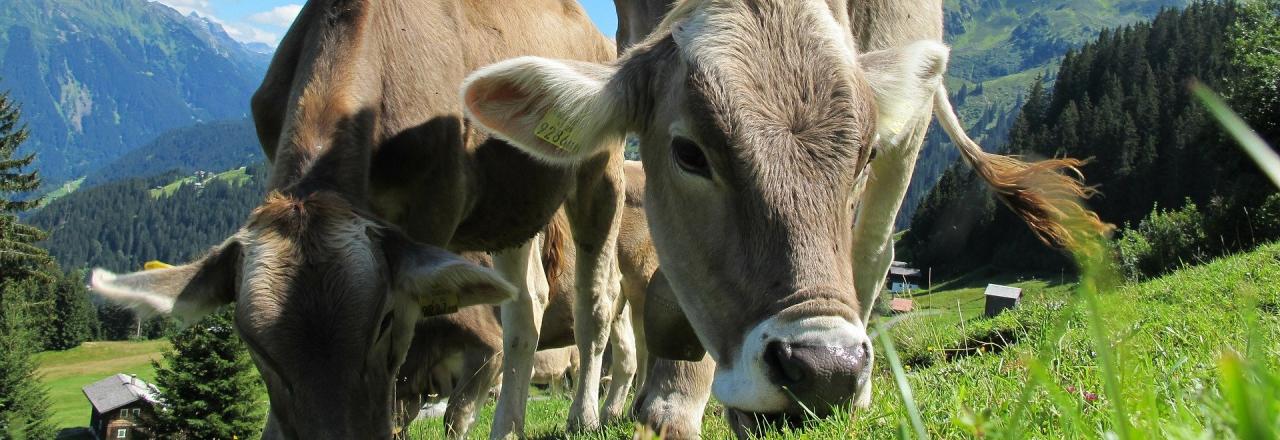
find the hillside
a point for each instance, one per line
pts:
(172, 217)
(99, 77)
(207, 146)
(998, 48)
(1121, 100)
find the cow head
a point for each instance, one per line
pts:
(325, 297)
(756, 120)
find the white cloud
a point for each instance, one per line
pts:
(279, 16)
(188, 6)
(242, 32)
(249, 34)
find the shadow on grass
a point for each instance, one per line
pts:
(79, 433)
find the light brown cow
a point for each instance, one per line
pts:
(371, 155)
(457, 355)
(756, 122)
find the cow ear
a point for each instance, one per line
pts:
(668, 333)
(439, 281)
(904, 80)
(558, 111)
(186, 292)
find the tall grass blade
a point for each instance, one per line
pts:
(900, 378)
(1257, 148)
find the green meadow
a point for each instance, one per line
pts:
(1193, 354)
(1188, 355)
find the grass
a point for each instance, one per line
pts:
(235, 177)
(62, 191)
(1193, 354)
(66, 372)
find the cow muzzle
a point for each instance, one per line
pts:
(797, 367)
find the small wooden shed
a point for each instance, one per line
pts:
(1001, 298)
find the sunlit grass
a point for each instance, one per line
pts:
(1193, 354)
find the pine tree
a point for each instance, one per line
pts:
(208, 384)
(75, 319)
(24, 402)
(18, 256)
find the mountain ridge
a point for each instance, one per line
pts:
(97, 78)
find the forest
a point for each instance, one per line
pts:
(1123, 103)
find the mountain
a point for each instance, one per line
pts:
(998, 47)
(205, 146)
(97, 78)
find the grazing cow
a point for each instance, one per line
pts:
(458, 355)
(556, 368)
(371, 155)
(756, 121)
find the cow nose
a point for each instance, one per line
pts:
(817, 375)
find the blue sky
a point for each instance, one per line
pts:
(265, 21)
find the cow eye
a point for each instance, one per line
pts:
(690, 157)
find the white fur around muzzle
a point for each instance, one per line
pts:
(745, 385)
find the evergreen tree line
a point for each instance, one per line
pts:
(121, 225)
(1123, 101)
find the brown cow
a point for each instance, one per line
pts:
(756, 122)
(458, 355)
(371, 155)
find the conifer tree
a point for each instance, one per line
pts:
(19, 257)
(75, 319)
(24, 402)
(208, 384)
(24, 406)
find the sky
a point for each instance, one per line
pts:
(265, 21)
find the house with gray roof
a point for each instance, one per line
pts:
(118, 403)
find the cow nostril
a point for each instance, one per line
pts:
(782, 362)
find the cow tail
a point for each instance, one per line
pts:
(1048, 195)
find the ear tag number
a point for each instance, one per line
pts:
(558, 131)
(440, 304)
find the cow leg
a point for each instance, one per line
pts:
(407, 407)
(633, 293)
(873, 231)
(623, 367)
(480, 368)
(673, 398)
(521, 323)
(594, 210)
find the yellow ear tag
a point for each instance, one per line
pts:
(154, 264)
(558, 131)
(440, 304)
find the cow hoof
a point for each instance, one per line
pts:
(578, 425)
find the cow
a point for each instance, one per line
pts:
(453, 356)
(375, 172)
(757, 121)
(458, 355)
